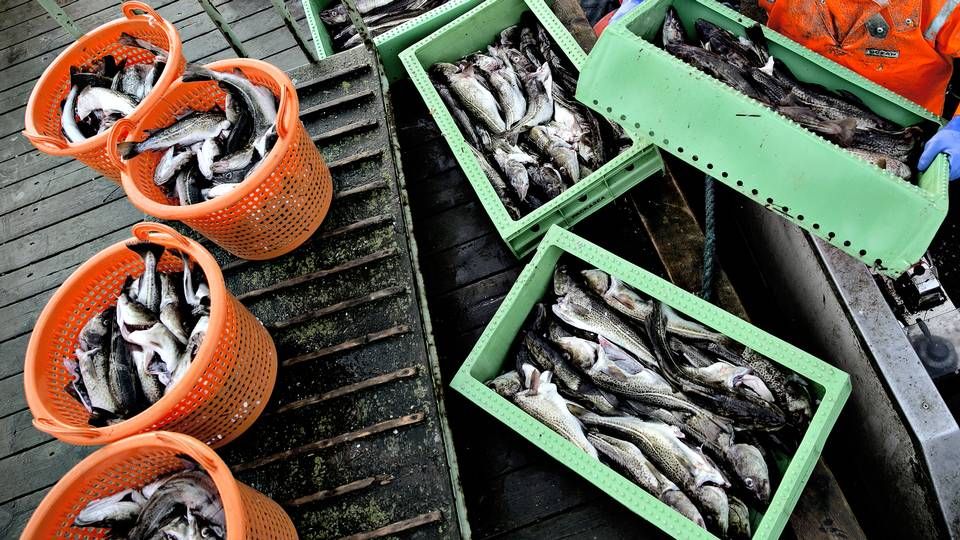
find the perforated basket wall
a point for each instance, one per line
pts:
(137, 461)
(474, 31)
(43, 114)
(489, 358)
(222, 394)
(280, 203)
(859, 208)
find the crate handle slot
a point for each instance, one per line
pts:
(283, 122)
(121, 129)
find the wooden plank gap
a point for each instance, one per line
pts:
(337, 307)
(360, 189)
(387, 425)
(355, 158)
(326, 77)
(365, 384)
(338, 102)
(339, 491)
(299, 280)
(372, 337)
(399, 526)
(343, 130)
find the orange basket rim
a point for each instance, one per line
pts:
(228, 487)
(47, 420)
(60, 146)
(288, 118)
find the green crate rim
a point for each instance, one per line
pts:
(933, 185)
(387, 40)
(505, 225)
(620, 28)
(836, 385)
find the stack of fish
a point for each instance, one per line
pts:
(180, 506)
(514, 105)
(746, 65)
(108, 90)
(207, 154)
(380, 16)
(129, 356)
(671, 404)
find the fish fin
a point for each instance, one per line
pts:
(848, 129)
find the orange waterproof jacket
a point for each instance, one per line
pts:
(907, 46)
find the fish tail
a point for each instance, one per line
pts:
(128, 149)
(143, 247)
(194, 72)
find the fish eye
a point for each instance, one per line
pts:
(748, 482)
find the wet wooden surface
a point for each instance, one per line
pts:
(55, 213)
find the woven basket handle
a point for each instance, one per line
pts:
(143, 231)
(121, 128)
(129, 9)
(284, 126)
(193, 448)
(44, 141)
(64, 431)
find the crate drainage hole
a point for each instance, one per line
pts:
(739, 182)
(582, 198)
(754, 191)
(863, 253)
(535, 228)
(679, 149)
(651, 134)
(846, 243)
(623, 117)
(816, 225)
(710, 165)
(769, 200)
(630, 167)
(799, 217)
(878, 262)
(609, 109)
(696, 157)
(831, 234)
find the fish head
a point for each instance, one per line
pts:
(751, 470)
(677, 500)
(582, 353)
(563, 281)
(507, 385)
(597, 280)
(716, 508)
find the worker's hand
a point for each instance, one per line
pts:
(946, 141)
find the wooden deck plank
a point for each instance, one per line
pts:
(43, 243)
(12, 352)
(15, 514)
(38, 468)
(84, 197)
(25, 12)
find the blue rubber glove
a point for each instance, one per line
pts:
(626, 7)
(946, 141)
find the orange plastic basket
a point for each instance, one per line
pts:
(137, 461)
(222, 393)
(42, 122)
(276, 208)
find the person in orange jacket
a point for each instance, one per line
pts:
(907, 46)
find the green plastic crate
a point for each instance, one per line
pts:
(473, 32)
(865, 211)
(489, 356)
(389, 44)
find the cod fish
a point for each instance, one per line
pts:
(629, 459)
(193, 129)
(123, 506)
(506, 87)
(739, 521)
(189, 491)
(627, 301)
(546, 358)
(580, 310)
(610, 368)
(474, 95)
(542, 401)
